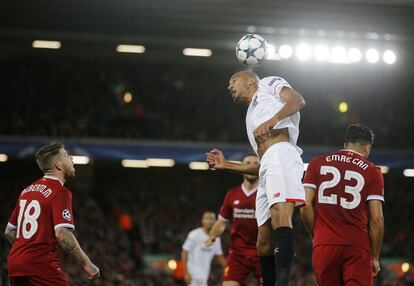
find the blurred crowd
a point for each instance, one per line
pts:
(126, 216)
(76, 97)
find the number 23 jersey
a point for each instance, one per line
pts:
(41, 208)
(344, 183)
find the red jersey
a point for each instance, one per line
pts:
(344, 182)
(239, 208)
(41, 208)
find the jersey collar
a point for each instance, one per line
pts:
(348, 150)
(53, 178)
(247, 192)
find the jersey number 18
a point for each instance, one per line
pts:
(29, 215)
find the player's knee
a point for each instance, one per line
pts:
(264, 247)
(282, 214)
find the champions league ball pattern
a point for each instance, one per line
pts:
(251, 49)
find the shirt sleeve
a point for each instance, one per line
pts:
(276, 84)
(311, 177)
(226, 212)
(376, 188)
(62, 209)
(188, 243)
(219, 249)
(13, 218)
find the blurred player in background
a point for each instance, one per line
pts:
(344, 216)
(272, 123)
(42, 220)
(196, 256)
(239, 210)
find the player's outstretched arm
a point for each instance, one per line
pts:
(10, 234)
(215, 159)
(307, 212)
(376, 232)
(217, 230)
(71, 246)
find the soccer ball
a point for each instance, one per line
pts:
(251, 50)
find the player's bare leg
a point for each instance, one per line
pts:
(265, 249)
(283, 231)
(231, 283)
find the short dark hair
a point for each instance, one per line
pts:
(358, 133)
(249, 154)
(46, 154)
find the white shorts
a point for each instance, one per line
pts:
(281, 172)
(198, 282)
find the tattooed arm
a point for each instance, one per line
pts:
(10, 233)
(71, 246)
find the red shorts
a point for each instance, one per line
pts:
(239, 266)
(342, 265)
(38, 281)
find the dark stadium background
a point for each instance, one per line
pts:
(107, 107)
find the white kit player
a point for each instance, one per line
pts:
(272, 123)
(196, 256)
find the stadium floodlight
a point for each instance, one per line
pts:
(303, 52)
(389, 57)
(132, 49)
(195, 52)
(198, 166)
(384, 169)
(285, 51)
(129, 163)
(42, 44)
(127, 97)
(272, 54)
(80, 160)
(409, 172)
(160, 162)
(3, 158)
(321, 53)
(172, 264)
(343, 107)
(338, 55)
(405, 267)
(354, 55)
(372, 56)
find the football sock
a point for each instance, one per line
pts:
(267, 267)
(283, 254)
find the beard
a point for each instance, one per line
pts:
(69, 173)
(251, 179)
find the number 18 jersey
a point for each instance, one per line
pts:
(344, 183)
(41, 208)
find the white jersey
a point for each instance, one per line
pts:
(199, 255)
(265, 104)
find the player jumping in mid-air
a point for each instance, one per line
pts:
(239, 210)
(42, 220)
(196, 256)
(346, 221)
(272, 123)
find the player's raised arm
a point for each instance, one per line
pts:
(71, 246)
(376, 232)
(307, 212)
(294, 103)
(215, 159)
